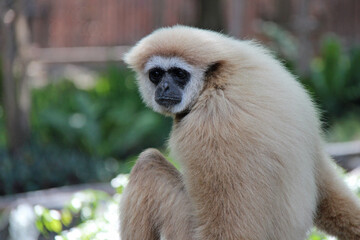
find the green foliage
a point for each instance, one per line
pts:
(82, 134)
(2, 127)
(317, 235)
(107, 120)
(281, 42)
(345, 128)
(89, 215)
(1, 79)
(2, 120)
(51, 220)
(84, 207)
(87, 204)
(334, 79)
(119, 183)
(36, 167)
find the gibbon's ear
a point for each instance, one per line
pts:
(214, 76)
(212, 69)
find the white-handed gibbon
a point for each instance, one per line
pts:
(249, 142)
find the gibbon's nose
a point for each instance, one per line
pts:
(164, 86)
(167, 94)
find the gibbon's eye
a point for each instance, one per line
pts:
(181, 75)
(155, 75)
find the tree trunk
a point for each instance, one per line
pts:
(235, 23)
(303, 27)
(15, 91)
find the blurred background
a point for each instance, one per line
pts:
(70, 112)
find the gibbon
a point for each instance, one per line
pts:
(248, 139)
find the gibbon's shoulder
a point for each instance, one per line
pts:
(198, 47)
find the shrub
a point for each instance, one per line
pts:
(82, 134)
(36, 167)
(334, 79)
(107, 120)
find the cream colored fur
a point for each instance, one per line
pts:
(250, 149)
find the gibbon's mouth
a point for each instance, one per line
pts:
(167, 102)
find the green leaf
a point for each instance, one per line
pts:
(55, 226)
(66, 217)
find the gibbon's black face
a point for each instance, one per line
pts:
(169, 84)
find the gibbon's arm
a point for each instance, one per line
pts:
(338, 211)
(155, 204)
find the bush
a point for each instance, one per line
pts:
(334, 79)
(283, 44)
(82, 210)
(346, 128)
(89, 215)
(82, 134)
(36, 167)
(107, 120)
